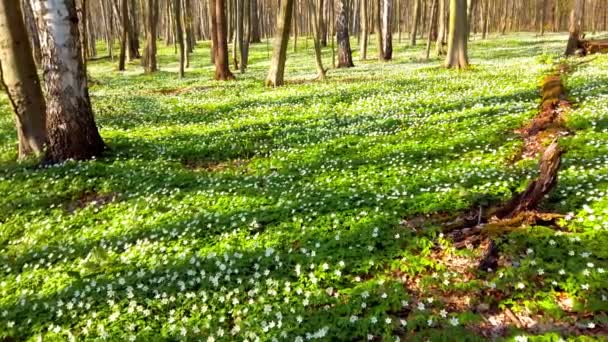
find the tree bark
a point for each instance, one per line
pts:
(247, 35)
(364, 31)
(416, 21)
(124, 34)
(576, 23)
(179, 36)
(377, 20)
(458, 38)
(240, 19)
(20, 80)
(543, 15)
(149, 60)
(486, 19)
(254, 21)
(470, 10)
(316, 25)
(72, 132)
(431, 23)
(439, 50)
(387, 30)
(133, 32)
(345, 56)
(32, 31)
(279, 50)
(220, 41)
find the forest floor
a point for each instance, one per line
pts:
(230, 211)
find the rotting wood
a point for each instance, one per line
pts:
(476, 227)
(589, 47)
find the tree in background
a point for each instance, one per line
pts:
(149, 60)
(345, 55)
(377, 19)
(179, 35)
(220, 41)
(415, 22)
(364, 30)
(387, 30)
(279, 49)
(124, 11)
(20, 80)
(439, 50)
(458, 37)
(317, 38)
(71, 128)
(575, 29)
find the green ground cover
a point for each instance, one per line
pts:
(230, 211)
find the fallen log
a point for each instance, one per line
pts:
(539, 188)
(588, 47)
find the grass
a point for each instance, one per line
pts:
(230, 211)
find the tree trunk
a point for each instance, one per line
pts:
(364, 31)
(247, 35)
(416, 21)
(133, 33)
(486, 19)
(220, 42)
(576, 18)
(20, 80)
(322, 16)
(149, 60)
(439, 50)
(72, 132)
(32, 31)
(179, 35)
(316, 25)
(377, 20)
(470, 10)
(345, 56)
(124, 34)
(387, 30)
(238, 46)
(254, 21)
(458, 38)
(279, 50)
(431, 23)
(543, 15)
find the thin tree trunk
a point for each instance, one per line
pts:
(316, 39)
(20, 80)
(377, 19)
(279, 51)
(364, 31)
(254, 19)
(416, 21)
(240, 18)
(458, 39)
(387, 30)
(220, 41)
(179, 33)
(124, 34)
(345, 57)
(32, 31)
(439, 50)
(431, 23)
(149, 61)
(486, 19)
(245, 41)
(133, 33)
(72, 132)
(543, 15)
